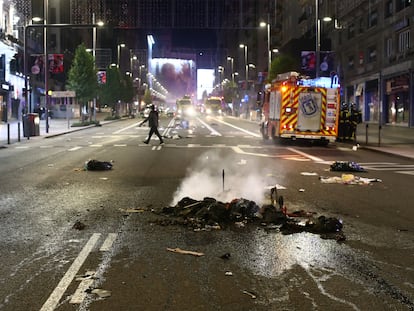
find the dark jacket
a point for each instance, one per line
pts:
(152, 119)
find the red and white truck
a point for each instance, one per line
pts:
(297, 108)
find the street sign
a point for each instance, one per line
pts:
(59, 94)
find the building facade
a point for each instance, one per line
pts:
(373, 47)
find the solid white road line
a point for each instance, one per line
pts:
(107, 244)
(79, 296)
(213, 131)
(74, 148)
(60, 289)
(238, 128)
(126, 128)
(311, 157)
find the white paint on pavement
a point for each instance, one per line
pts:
(213, 131)
(107, 244)
(239, 128)
(75, 148)
(304, 154)
(60, 289)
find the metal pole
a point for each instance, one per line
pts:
(8, 133)
(247, 66)
(94, 60)
(26, 95)
(318, 39)
(268, 45)
(46, 62)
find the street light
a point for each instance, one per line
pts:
(244, 46)
(119, 46)
(318, 36)
(269, 51)
(231, 59)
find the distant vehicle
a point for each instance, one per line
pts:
(214, 106)
(185, 107)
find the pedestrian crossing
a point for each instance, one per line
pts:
(407, 169)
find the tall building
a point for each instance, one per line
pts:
(373, 48)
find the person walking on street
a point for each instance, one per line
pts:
(153, 124)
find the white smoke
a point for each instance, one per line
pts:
(242, 179)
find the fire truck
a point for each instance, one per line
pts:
(296, 108)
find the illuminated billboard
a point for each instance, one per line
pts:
(178, 76)
(205, 82)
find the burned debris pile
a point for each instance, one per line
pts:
(210, 214)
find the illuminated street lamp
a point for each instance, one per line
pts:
(318, 36)
(231, 59)
(244, 46)
(269, 51)
(121, 45)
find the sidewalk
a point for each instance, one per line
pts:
(391, 139)
(11, 131)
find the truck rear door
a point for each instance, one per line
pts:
(309, 111)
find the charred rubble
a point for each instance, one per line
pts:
(210, 214)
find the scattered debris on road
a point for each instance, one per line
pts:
(102, 293)
(79, 225)
(185, 252)
(252, 295)
(348, 179)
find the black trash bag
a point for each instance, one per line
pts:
(95, 165)
(344, 166)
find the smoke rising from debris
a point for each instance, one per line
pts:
(242, 179)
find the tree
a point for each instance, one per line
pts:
(283, 63)
(82, 77)
(111, 92)
(147, 97)
(127, 89)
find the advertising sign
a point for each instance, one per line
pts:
(178, 76)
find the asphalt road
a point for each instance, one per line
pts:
(65, 230)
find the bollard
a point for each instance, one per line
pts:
(8, 133)
(379, 135)
(18, 131)
(366, 134)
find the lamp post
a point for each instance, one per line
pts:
(269, 51)
(131, 64)
(44, 26)
(231, 59)
(318, 36)
(46, 62)
(119, 46)
(244, 46)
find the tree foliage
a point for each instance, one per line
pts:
(82, 76)
(111, 91)
(283, 63)
(127, 89)
(147, 97)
